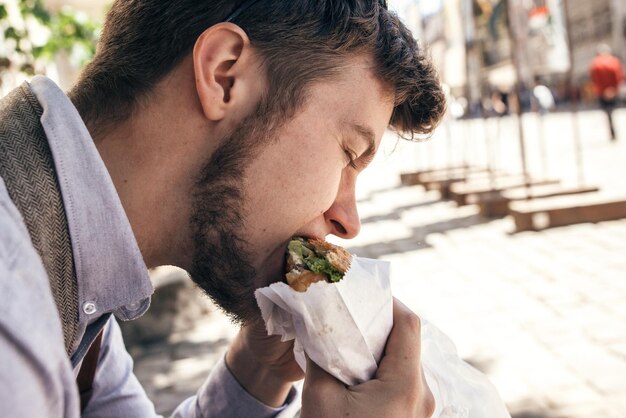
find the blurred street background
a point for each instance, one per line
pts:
(506, 228)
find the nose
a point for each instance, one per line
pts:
(342, 218)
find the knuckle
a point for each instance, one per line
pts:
(412, 322)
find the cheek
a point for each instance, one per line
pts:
(286, 193)
(311, 195)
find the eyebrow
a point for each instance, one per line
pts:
(367, 134)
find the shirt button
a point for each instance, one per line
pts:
(89, 308)
(133, 306)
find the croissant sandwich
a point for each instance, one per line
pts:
(314, 260)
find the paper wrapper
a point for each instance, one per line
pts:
(459, 389)
(343, 326)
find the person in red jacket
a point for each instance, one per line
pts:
(606, 75)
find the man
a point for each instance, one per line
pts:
(606, 75)
(203, 135)
(542, 97)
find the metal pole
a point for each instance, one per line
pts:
(491, 163)
(542, 145)
(449, 145)
(468, 38)
(518, 42)
(573, 98)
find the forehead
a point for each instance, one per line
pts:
(354, 96)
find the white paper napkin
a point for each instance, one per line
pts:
(344, 326)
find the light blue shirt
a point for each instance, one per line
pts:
(37, 379)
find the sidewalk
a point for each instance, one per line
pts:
(542, 314)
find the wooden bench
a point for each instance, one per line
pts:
(413, 178)
(443, 182)
(496, 204)
(467, 193)
(538, 214)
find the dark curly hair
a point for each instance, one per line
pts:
(300, 42)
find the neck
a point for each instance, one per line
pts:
(148, 193)
(152, 158)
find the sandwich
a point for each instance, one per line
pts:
(314, 260)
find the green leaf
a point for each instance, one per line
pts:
(41, 13)
(67, 31)
(321, 265)
(12, 33)
(36, 9)
(37, 51)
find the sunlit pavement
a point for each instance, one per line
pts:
(543, 314)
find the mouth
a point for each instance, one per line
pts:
(274, 265)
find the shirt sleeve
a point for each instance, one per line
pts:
(222, 396)
(117, 392)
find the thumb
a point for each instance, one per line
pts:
(319, 381)
(320, 389)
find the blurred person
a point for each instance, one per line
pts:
(203, 135)
(458, 107)
(500, 102)
(606, 74)
(542, 97)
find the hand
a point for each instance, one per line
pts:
(262, 364)
(398, 389)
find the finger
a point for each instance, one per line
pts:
(320, 388)
(319, 383)
(401, 360)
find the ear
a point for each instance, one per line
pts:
(215, 57)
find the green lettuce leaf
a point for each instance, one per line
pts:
(321, 265)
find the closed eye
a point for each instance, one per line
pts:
(366, 134)
(352, 157)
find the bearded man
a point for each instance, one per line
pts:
(204, 134)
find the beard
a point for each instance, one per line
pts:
(221, 265)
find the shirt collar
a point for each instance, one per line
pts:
(111, 273)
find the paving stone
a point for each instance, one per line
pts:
(618, 404)
(529, 408)
(619, 349)
(604, 371)
(555, 334)
(589, 410)
(575, 393)
(607, 332)
(618, 308)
